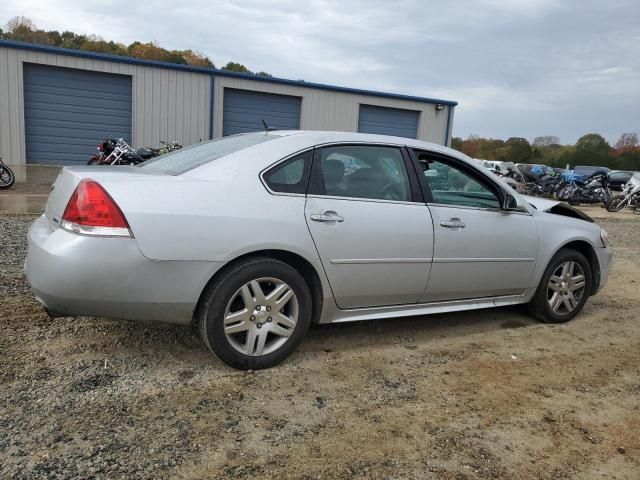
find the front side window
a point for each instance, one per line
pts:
(452, 185)
(359, 171)
(290, 176)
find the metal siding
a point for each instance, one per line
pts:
(67, 111)
(388, 121)
(100, 57)
(327, 110)
(146, 128)
(244, 111)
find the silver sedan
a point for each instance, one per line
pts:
(254, 237)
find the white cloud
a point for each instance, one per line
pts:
(517, 67)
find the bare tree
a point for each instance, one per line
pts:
(627, 142)
(546, 141)
(20, 22)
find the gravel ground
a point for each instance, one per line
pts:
(474, 395)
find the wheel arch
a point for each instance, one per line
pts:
(294, 260)
(586, 249)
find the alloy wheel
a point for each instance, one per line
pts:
(566, 288)
(261, 316)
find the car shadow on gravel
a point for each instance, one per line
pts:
(343, 336)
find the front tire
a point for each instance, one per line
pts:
(615, 204)
(564, 288)
(256, 313)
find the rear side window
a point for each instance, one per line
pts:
(290, 176)
(362, 171)
(185, 159)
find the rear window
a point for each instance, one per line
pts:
(185, 159)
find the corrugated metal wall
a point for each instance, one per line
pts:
(330, 110)
(170, 104)
(167, 104)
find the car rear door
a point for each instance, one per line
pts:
(370, 225)
(480, 250)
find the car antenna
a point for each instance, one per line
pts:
(267, 128)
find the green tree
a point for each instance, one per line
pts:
(456, 143)
(236, 67)
(593, 149)
(518, 150)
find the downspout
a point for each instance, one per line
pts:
(447, 143)
(212, 105)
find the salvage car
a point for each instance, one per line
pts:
(254, 237)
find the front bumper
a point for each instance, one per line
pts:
(76, 275)
(605, 260)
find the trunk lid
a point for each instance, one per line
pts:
(69, 177)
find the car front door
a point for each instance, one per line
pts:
(480, 250)
(370, 225)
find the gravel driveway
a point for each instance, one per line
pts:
(476, 395)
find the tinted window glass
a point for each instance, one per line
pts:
(363, 172)
(451, 185)
(290, 176)
(185, 159)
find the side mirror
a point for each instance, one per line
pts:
(509, 202)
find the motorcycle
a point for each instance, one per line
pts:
(7, 178)
(595, 189)
(630, 196)
(116, 151)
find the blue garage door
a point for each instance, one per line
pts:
(68, 111)
(244, 111)
(388, 121)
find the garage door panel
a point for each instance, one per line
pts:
(68, 111)
(388, 121)
(112, 94)
(87, 123)
(70, 101)
(71, 134)
(244, 111)
(82, 115)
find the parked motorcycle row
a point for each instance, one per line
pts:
(539, 180)
(116, 151)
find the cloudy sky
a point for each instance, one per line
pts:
(516, 67)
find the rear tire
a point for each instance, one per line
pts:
(256, 313)
(564, 288)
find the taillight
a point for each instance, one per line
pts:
(92, 211)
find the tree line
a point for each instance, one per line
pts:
(22, 29)
(590, 149)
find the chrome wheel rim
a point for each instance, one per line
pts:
(566, 288)
(261, 316)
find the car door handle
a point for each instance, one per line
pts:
(452, 223)
(327, 217)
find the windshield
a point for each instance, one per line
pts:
(185, 159)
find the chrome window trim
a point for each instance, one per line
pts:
(360, 199)
(483, 209)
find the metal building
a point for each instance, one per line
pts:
(56, 104)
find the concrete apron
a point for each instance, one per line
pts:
(29, 194)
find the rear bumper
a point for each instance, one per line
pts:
(78, 275)
(605, 259)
